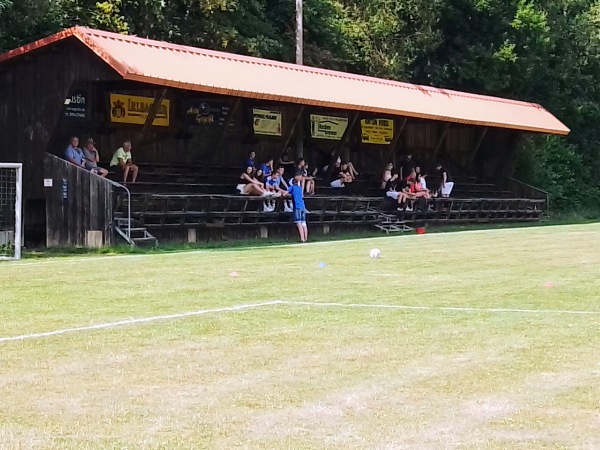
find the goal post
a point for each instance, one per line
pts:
(11, 186)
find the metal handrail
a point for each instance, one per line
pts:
(122, 186)
(114, 183)
(533, 190)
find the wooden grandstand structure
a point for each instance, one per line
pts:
(78, 82)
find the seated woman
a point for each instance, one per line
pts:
(394, 191)
(421, 180)
(248, 185)
(351, 170)
(417, 189)
(387, 174)
(260, 176)
(309, 186)
(341, 177)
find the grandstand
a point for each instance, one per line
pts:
(193, 114)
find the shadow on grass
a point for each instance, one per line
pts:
(251, 244)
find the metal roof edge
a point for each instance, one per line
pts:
(319, 103)
(120, 67)
(91, 38)
(40, 43)
(77, 32)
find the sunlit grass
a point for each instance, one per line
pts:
(294, 376)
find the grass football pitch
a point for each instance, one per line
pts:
(483, 339)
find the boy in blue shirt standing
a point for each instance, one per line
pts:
(295, 191)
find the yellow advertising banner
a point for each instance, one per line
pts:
(377, 131)
(266, 122)
(133, 109)
(327, 127)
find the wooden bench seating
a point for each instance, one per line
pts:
(178, 210)
(473, 210)
(205, 196)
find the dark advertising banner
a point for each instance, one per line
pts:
(76, 105)
(205, 113)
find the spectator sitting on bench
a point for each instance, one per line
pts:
(341, 177)
(387, 175)
(394, 191)
(282, 187)
(299, 173)
(309, 180)
(92, 158)
(249, 185)
(122, 162)
(351, 170)
(273, 183)
(417, 189)
(73, 153)
(420, 177)
(267, 167)
(260, 176)
(446, 185)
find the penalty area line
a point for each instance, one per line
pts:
(443, 308)
(120, 323)
(248, 306)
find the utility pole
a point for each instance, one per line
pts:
(299, 61)
(299, 33)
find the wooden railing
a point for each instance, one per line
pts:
(524, 190)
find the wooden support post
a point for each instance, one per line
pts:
(158, 98)
(287, 138)
(476, 148)
(264, 232)
(395, 141)
(343, 143)
(94, 239)
(438, 146)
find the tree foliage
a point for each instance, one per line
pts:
(545, 51)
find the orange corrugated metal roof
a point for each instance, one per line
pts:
(202, 70)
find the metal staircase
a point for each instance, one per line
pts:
(389, 223)
(134, 233)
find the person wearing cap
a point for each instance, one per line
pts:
(92, 158)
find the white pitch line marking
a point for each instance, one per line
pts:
(443, 308)
(201, 312)
(125, 322)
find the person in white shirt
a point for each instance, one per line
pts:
(387, 174)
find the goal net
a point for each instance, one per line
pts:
(10, 210)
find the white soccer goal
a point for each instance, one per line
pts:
(10, 210)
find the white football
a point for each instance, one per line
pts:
(375, 253)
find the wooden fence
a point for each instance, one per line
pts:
(79, 206)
